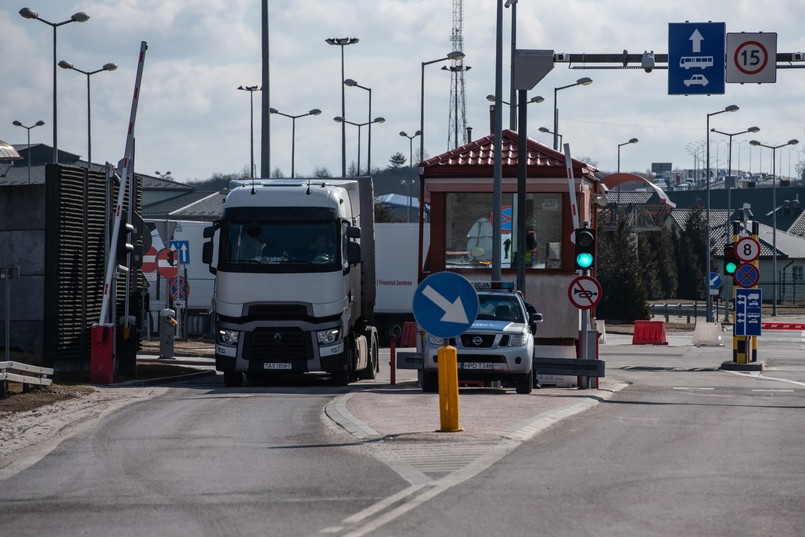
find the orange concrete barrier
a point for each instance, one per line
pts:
(649, 333)
(408, 335)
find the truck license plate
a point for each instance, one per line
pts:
(275, 365)
(477, 365)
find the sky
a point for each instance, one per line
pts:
(192, 121)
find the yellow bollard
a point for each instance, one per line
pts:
(448, 389)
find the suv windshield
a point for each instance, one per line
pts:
(499, 307)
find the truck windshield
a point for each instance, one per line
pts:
(261, 246)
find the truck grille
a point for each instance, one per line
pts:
(276, 344)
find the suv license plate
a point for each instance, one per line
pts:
(275, 365)
(477, 365)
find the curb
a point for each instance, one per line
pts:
(162, 380)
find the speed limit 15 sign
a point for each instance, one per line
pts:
(751, 57)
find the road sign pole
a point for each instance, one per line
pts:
(448, 389)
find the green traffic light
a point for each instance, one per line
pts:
(730, 267)
(584, 260)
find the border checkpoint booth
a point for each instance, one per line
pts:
(458, 186)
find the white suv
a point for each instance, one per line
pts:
(498, 346)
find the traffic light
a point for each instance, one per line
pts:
(125, 241)
(730, 259)
(585, 248)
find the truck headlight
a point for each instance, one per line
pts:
(228, 337)
(435, 340)
(328, 337)
(517, 341)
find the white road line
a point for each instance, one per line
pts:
(764, 377)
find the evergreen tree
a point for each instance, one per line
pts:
(649, 265)
(624, 291)
(691, 253)
(664, 246)
(396, 160)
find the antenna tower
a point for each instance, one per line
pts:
(457, 124)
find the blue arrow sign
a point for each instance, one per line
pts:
(696, 58)
(748, 312)
(714, 281)
(445, 304)
(183, 247)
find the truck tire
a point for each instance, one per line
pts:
(525, 383)
(371, 364)
(233, 379)
(339, 378)
(430, 381)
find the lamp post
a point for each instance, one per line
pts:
(166, 175)
(533, 100)
(28, 13)
(107, 67)
(512, 91)
(313, 112)
(251, 90)
(729, 136)
(37, 124)
(339, 119)
(410, 145)
(409, 183)
(353, 84)
(342, 42)
(548, 131)
(454, 55)
(774, 149)
(580, 82)
(730, 108)
(631, 141)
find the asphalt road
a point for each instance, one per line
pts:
(685, 449)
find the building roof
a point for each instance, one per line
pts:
(542, 161)
(7, 152)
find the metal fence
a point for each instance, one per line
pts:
(194, 314)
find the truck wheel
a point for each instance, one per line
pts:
(371, 363)
(525, 383)
(233, 379)
(430, 381)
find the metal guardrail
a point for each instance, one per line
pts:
(687, 310)
(23, 373)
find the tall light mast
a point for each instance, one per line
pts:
(457, 125)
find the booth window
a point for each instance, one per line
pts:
(468, 230)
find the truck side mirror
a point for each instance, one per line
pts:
(353, 232)
(206, 255)
(353, 253)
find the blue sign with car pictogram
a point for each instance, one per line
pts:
(696, 61)
(748, 312)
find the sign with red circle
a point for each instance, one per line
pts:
(179, 288)
(168, 263)
(747, 249)
(150, 260)
(584, 292)
(746, 275)
(751, 57)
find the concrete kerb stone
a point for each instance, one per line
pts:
(164, 380)
(708, 335)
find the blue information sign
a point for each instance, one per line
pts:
(183, 248)
(696, 58)
(714, 281)
(445, 304)
(748, 313)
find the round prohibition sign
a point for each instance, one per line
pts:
(751, 57)
(584, 292)
(747, 275)
(747, 249)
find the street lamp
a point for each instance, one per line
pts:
(774, 149)
(512, 91)
(313, 112)
(166, 175)
(342, 42)
(353, 84)
(339, 119)
(730, 108)
(580, 82)
(547, 131)
(37, 124)
(631, 141)
(251, 90)
(28, 13)
(533, 100)
(409, 183)
(107, 67)
(454, 55)
(410, 145)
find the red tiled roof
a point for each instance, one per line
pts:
(542, 160)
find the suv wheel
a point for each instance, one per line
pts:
(525, 383)
(430, 381)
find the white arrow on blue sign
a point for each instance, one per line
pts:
(445, 304)
(696, 62)
(714, 281)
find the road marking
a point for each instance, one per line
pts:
(775, 390)
(764, 377)
(692, 388)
